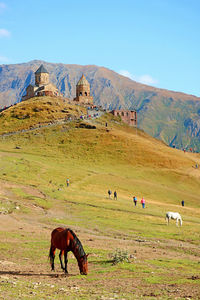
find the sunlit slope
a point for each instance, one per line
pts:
(34, 199)
(39, 110)
(117, 157)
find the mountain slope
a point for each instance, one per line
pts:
(170, 116)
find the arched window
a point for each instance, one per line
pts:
(80, 94)
(127, 114)
(122, 114)
(85, 93)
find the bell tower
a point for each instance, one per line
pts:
(83, 91)
(41, 76)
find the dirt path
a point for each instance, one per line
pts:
(54, 123)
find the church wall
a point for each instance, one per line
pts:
(127, 116)
(84, 99)
(42, 78)
(82, 90)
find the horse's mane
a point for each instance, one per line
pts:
(76, 243)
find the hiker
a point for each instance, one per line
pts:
(67, 181)
(115, 195)
(143, 202)
(135, 200)
(182, 203)
(109, 193)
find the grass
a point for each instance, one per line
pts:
(130, 162)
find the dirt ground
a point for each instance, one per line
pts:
(25, 278)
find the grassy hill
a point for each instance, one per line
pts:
(173, 117)
(34, 199)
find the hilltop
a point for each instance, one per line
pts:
(43, 142)
(37, 112)
(172, 117)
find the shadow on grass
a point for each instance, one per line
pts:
(19, 273)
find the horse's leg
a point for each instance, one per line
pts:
(60, 257)
(52, 256)
(167, 219)
(177, 222)
(66, 261)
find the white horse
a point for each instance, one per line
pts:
(175, 216)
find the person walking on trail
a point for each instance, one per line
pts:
(67, 181)
(182, 203)
(109, 193)
(115, 195)
(135, 200)
(143, 202)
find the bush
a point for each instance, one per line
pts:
(119, 256)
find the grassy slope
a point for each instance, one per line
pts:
(45, 110)
(95, 160)
(166, 119)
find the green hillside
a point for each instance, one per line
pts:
(175, 122)
(34, 199)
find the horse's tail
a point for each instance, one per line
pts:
(181, 222)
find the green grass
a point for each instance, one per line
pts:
(130, 162)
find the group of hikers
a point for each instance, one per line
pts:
(114, 194)
(134, 198)
(142, 201)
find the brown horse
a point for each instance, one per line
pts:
(65, 240)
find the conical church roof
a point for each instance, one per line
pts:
(83, 81)
(41, 70)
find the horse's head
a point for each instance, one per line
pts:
(83, 265)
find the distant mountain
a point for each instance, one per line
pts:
(170, 116)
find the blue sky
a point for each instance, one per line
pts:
(156, 42)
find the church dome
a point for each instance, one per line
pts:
(83, 81)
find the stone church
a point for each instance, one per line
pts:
(83, 92)
(42, 85)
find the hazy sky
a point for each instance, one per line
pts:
(156, 42)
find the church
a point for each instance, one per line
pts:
(42, 85)
(83, 92)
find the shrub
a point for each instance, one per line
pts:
(119, 256)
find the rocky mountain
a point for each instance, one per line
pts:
(170, 116)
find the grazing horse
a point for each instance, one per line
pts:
(175, 216)
(65, 240)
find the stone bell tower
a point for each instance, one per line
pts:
(41, 76)
(83, 91)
